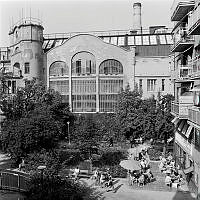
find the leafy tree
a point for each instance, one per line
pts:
(128, 112)
(164, 126)
(86, 134)
(35, 119)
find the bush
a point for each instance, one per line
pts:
(110, 158)
(155, 153)
(117, 171)
(70, 157)
(53, 187)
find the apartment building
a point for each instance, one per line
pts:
(185, 70)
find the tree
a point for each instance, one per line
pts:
(164, 127)
(128, 113)
(35, 119)
(86, 134)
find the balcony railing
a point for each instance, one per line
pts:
(180, 8)
(180, 108)
(194, 115)
(195, 67)
(181, 40)
(194, 21)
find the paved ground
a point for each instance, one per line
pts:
(152, 191)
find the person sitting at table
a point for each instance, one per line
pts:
(141, 180)
(142, 164)
(168, 180)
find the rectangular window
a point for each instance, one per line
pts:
(121, 41)
(145, 40)
(140, 85)
(163, 84)
(197, 137)
(153, 39)
(26, 68)
(151, 85)
(78, 66)
(162, 39)
(113, 40)
(13, 87)
(131, 40)
(138, 40)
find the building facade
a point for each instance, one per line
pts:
(186, 79)
(89, 69)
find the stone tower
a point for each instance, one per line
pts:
(26, 39)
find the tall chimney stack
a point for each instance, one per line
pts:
(137, 22)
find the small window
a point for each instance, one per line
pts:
(27, 68)
(163, 84)
(131, 40)
(153, 40)
(145, 40)
(138, 40)
(13, 87)
(151, 85)
(140, 85)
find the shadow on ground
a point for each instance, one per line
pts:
(183, 196)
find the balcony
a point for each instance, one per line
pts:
(195, 68)
(194, 115)
(184, 71)
(180, 8)
(181, 40)
(194, 22)
(180, 109)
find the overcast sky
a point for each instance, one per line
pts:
(83, 15)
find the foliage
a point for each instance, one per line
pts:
(35, 119)
(110, 158)
(50, 159)
(70, 157)
(85, 135)
(51, 187)
(117, 171)
(155, 152)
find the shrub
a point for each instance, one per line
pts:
(70, 157)
(155, 153)
(111, 158)
(117, 171)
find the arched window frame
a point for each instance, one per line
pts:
(111, 66)
(88, 67)
(59, 70)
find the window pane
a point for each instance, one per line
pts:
(153, 39)
(162, 39)
(138, 40)
(145, 40)
(113, 40)
(121, 41)
(131, 40)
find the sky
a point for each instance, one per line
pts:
(64, 16)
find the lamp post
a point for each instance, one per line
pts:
(42, 168)
(68, 132)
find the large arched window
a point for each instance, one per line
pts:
(83, 63)
(59, 68)
(110, 67)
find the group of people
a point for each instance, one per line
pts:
(103, 179)
(144, 175)
(172, 176)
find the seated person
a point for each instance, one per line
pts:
(95, 175)
(141, 180)
(168, 180)
(76, 173)
(102, 179)
(109, 183)
(149, 175)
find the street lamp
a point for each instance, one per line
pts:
(42, 168)
(68, 132)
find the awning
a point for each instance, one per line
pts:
(188, 170)
(189, 130)
(175, 121)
